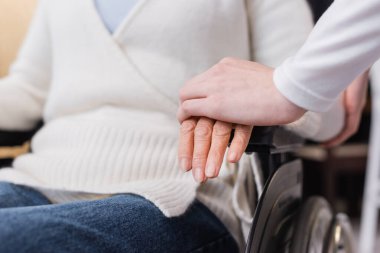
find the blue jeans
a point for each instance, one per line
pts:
(122, 223)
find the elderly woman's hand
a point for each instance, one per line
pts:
(203, 143)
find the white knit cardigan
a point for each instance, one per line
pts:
(109, 101)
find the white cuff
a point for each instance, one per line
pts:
(299, 94)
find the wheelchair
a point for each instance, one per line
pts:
(283, 221)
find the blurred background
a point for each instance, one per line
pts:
(14, 21)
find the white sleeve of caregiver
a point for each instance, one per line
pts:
(344, 43)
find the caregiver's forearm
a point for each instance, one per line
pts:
(344, 43)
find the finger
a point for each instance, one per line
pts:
(200, 86)
(350, 128)
(194, 108)
(182, 115)
(356, 95)
(220, 138)
(186, 143)
(202, 143)
(193, 90)
(239, 143)
(355, 99)
(337, 140)
(342, 137)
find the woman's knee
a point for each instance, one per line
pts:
(18, 233)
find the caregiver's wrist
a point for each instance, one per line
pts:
(287, 110)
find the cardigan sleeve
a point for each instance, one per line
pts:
(23, 92)
(279, 28)
(344, 43)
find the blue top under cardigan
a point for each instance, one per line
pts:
(113, 12)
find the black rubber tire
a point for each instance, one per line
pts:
(308, 217)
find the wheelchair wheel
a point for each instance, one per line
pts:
(341, 236)
(312, 226)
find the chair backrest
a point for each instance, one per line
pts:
(15, 16)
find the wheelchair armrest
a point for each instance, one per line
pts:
(13, 144)
(14, 138)
(273, 139)
(17, 138)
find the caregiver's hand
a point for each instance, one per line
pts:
(237, 91)
(354, 101)
(203, 143)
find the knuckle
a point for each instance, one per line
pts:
(203, 131)
(188, 126)
(217, 70)
(245, 131)
(239, 139)
(213, 106)
(222, 129)
(242, 137)
(186, 107)
(185, 89)
(182, 94)
(228, 60)
(198, 160)
(220, 68)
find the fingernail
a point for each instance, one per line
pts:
(199, 175)
(185, 164)
(232, 156)
(210, 170)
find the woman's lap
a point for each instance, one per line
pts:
(12, 195)
(122, 223)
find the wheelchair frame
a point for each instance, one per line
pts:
(284, 222)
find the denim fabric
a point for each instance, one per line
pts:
(12, 195)
(122, 223)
